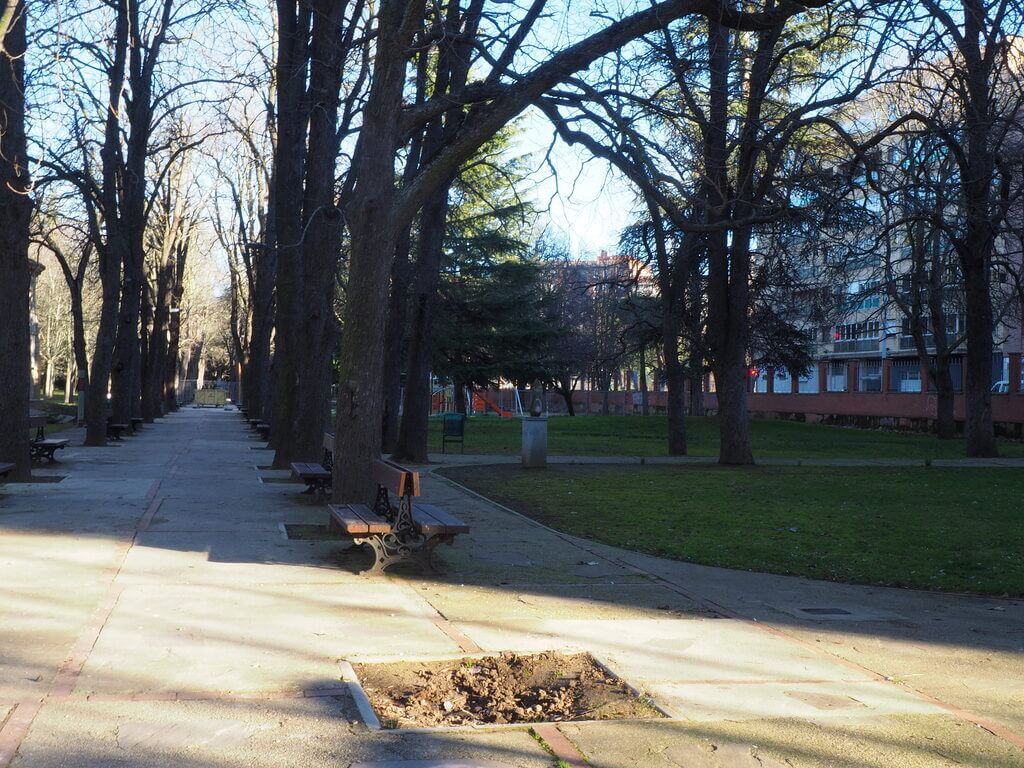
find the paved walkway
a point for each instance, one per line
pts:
(153, 613)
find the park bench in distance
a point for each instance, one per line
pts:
(114, 431)
(6, 468)
(317, 477)
(136, 422)
(409, 531)
(42, 446)
(258, 425)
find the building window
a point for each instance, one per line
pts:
(864, 295)
(761, 381)
(905, 375)
(807, 384)
(869, 376)
(1000, 372)
(836, 380)
(783, 381)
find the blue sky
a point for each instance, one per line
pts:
(588, 204)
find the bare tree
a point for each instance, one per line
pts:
(15, 215)
(322, 49)
(968, 94)
(378, 210)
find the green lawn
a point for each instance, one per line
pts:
(646, 436)
(934, 528)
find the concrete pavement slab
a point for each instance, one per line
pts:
(814, 701)
(669, 651)
(312, 733)
(251, 637)
(901, 741)
(208, 557)
(627, 600)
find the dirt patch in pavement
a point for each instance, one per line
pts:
(510, 688)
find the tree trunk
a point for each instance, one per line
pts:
(96, 404)
(945, 420)
(173, 355)
(413, 431)
(322, 245)
(460, 397)
(645, 406)
(401, 271)
(728, 263)
(675, 380)
(289, 170)
(374, 235)
(153, 373)
(695, 396)
(733, 420)
(980, 432)
(78, 338)
(70, 379)
(15, 274)
(48, 379)
(565, 389)
(257, 380)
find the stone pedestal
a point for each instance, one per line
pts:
(535, 441)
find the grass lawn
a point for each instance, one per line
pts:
(647, 436)
(927, 527)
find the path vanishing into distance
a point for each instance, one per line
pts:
(153, 612)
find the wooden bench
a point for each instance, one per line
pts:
(317, 477)
(6, 468)
(46, 447)
(114, 430)
(408, 531)
(264, 430)
(136, 422)
(42, 446)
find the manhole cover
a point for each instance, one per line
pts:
(826, 611)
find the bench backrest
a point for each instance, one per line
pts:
(396, 478)
(329, 441)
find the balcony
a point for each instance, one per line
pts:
(907, 342)
(856, 345)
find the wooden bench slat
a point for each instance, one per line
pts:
(432, 520)
(5, 468)
(357, 519)
(303, 469)
(52, 441)
(396, 478)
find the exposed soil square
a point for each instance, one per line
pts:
(510, 688)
